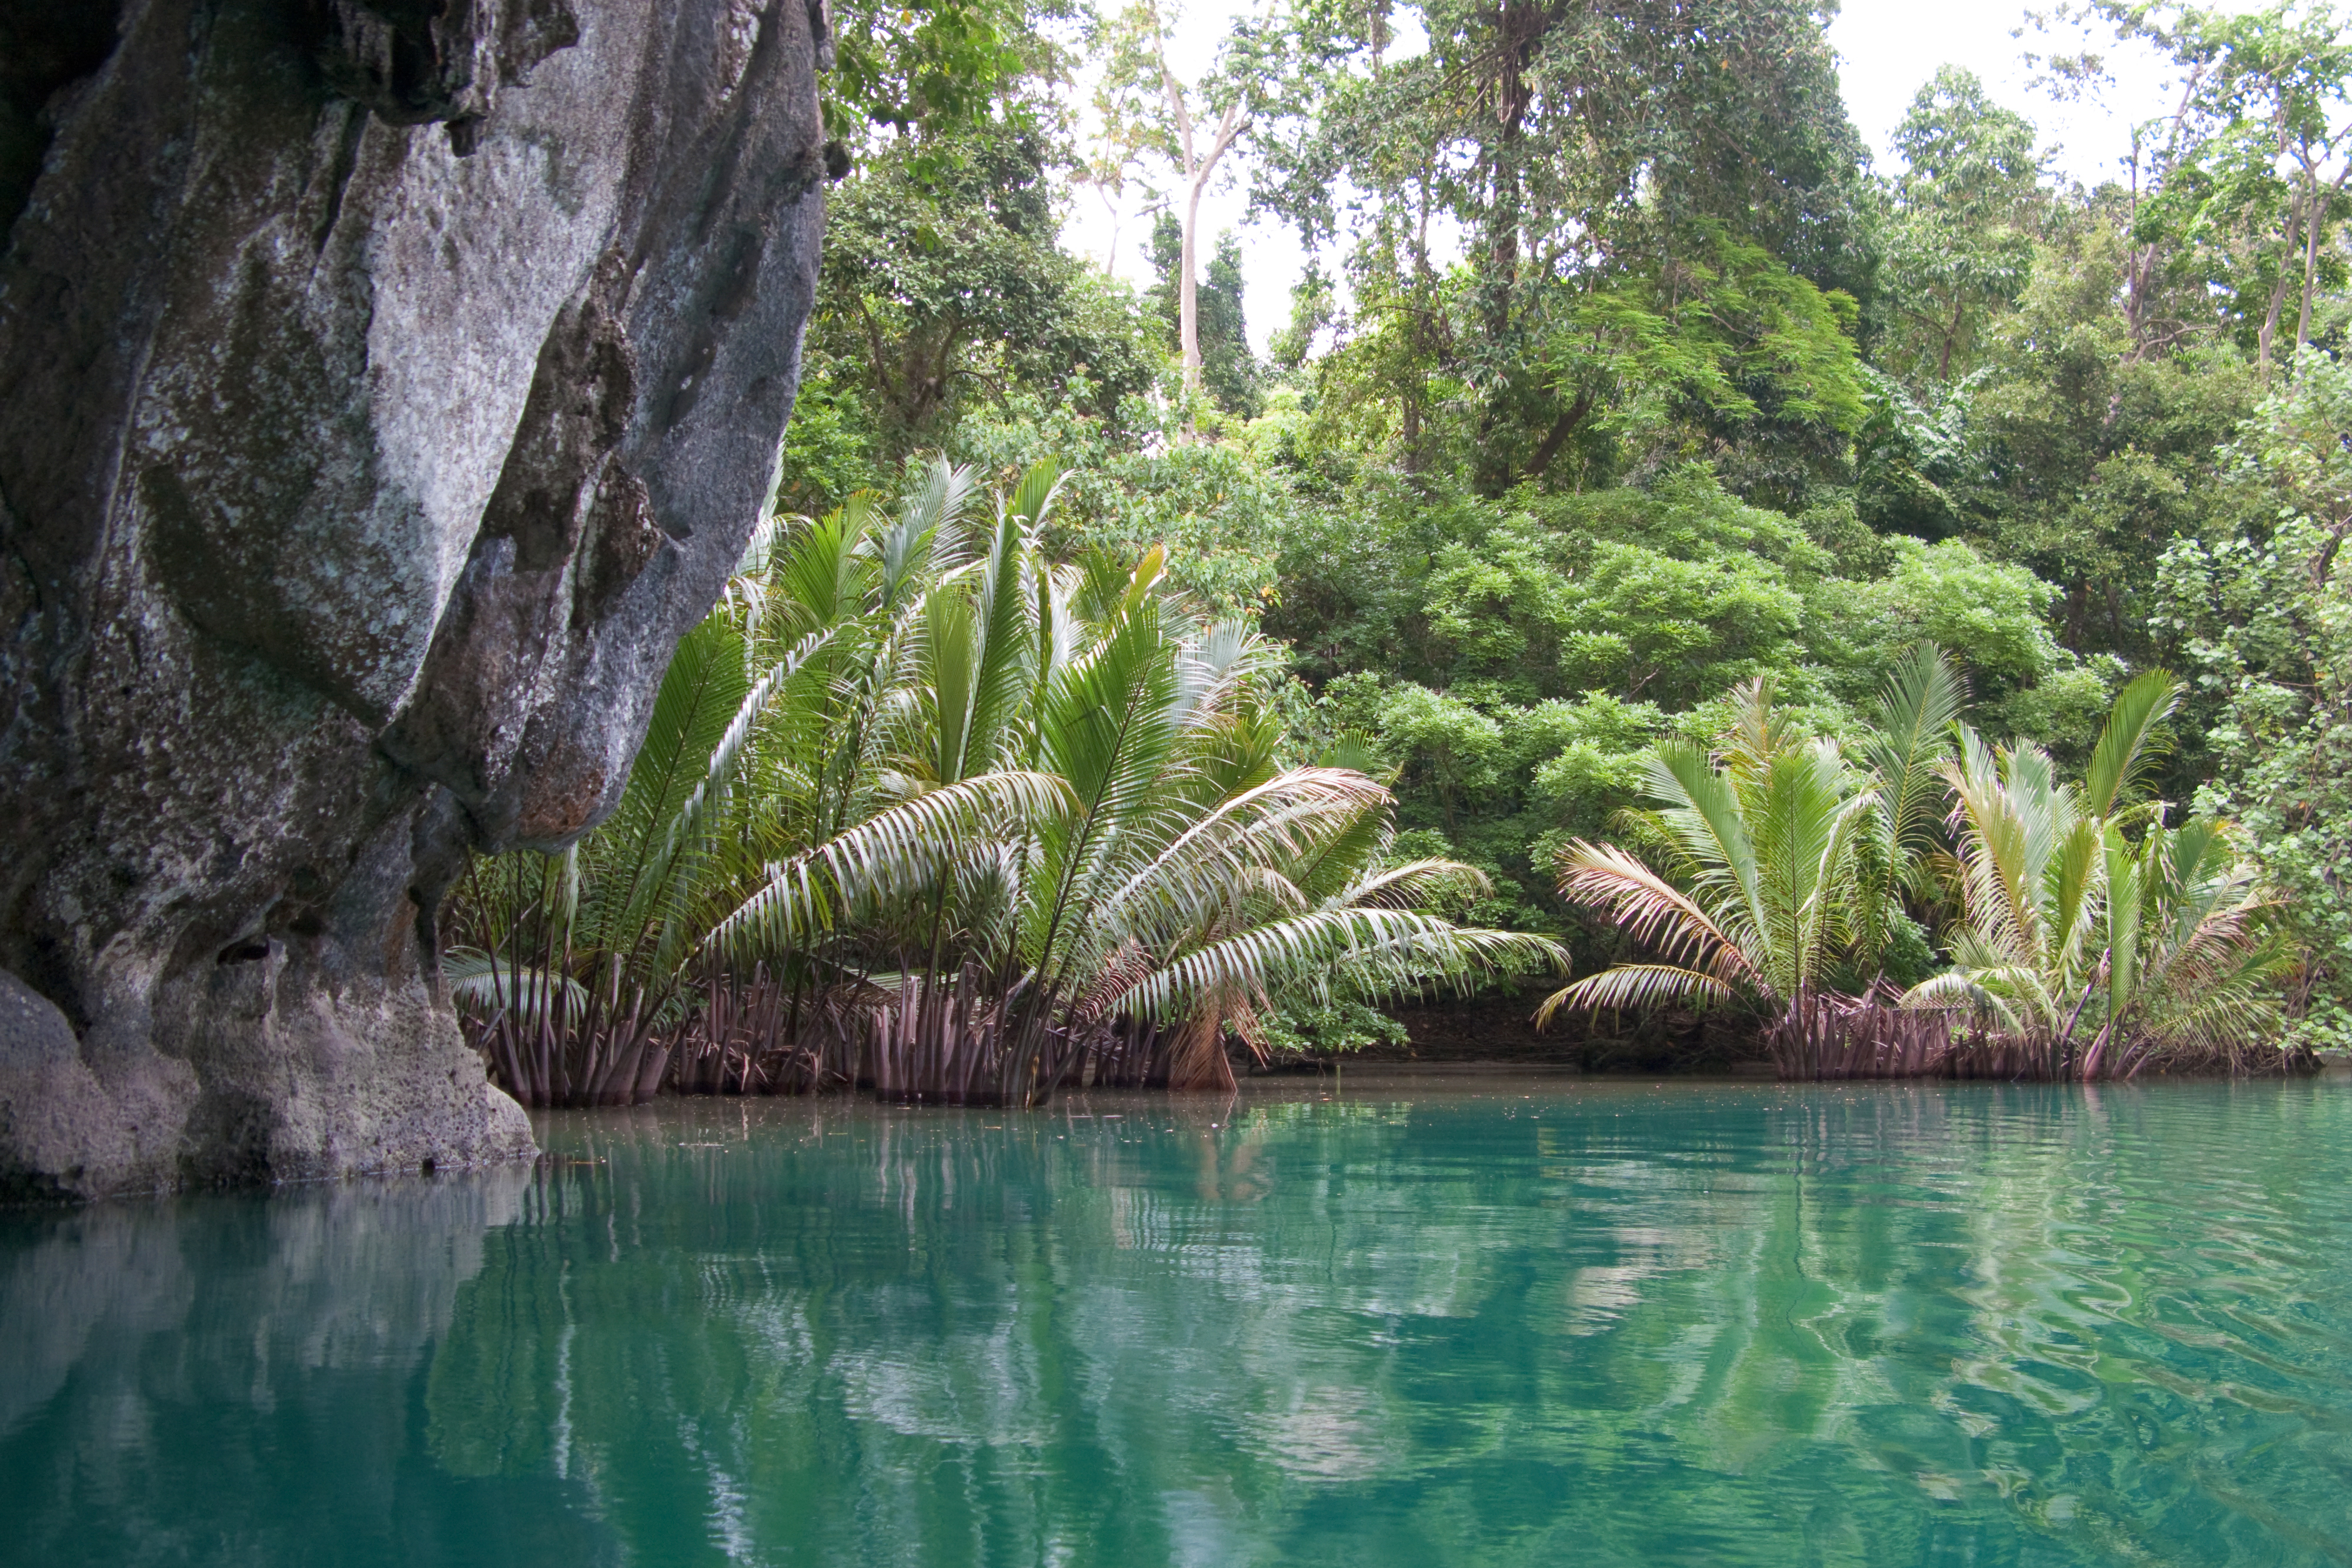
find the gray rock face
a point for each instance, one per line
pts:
(384, 388)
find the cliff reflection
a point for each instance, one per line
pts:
(222, 1378)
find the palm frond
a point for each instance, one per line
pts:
(1656, 913)
(486, 982)
(1911, 737)
(2133, 740)
(1378, 948)
(1634, 985)
(1415, 883)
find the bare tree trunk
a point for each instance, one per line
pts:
(2270, 326)
(1951, 336)
(2311, 216)
(1188, 294)
(1199, 166)
(1570, 420)
(2314, 218)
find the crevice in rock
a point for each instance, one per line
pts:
(338, 176)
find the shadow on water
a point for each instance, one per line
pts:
(1478, 1319)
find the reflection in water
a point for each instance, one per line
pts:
(1532, 1325)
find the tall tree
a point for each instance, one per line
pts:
(1571, 146)
(1960, 247)
(938, 284)
(944, 281)
(2260, 155)
(1229, 370)
(937, 66)
(1146, 106)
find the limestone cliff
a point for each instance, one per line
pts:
(384, 388)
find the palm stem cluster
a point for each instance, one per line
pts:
(924, 808)
(2087, 939)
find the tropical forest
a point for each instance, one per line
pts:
(1175, 783)
(1675, 588)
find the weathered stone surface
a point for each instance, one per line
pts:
(384, 388)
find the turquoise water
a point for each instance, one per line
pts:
(1517, 1322)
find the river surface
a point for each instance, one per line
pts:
(1479, 1320)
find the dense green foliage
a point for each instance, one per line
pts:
(1623, 390)
(963, 819)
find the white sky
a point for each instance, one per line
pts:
(1887, 50)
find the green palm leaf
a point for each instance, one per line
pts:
(2133, 740)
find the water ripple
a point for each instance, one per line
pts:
(1530, 1323)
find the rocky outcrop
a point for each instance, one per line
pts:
(384, 388)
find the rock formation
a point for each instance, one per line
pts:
(384, 388)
